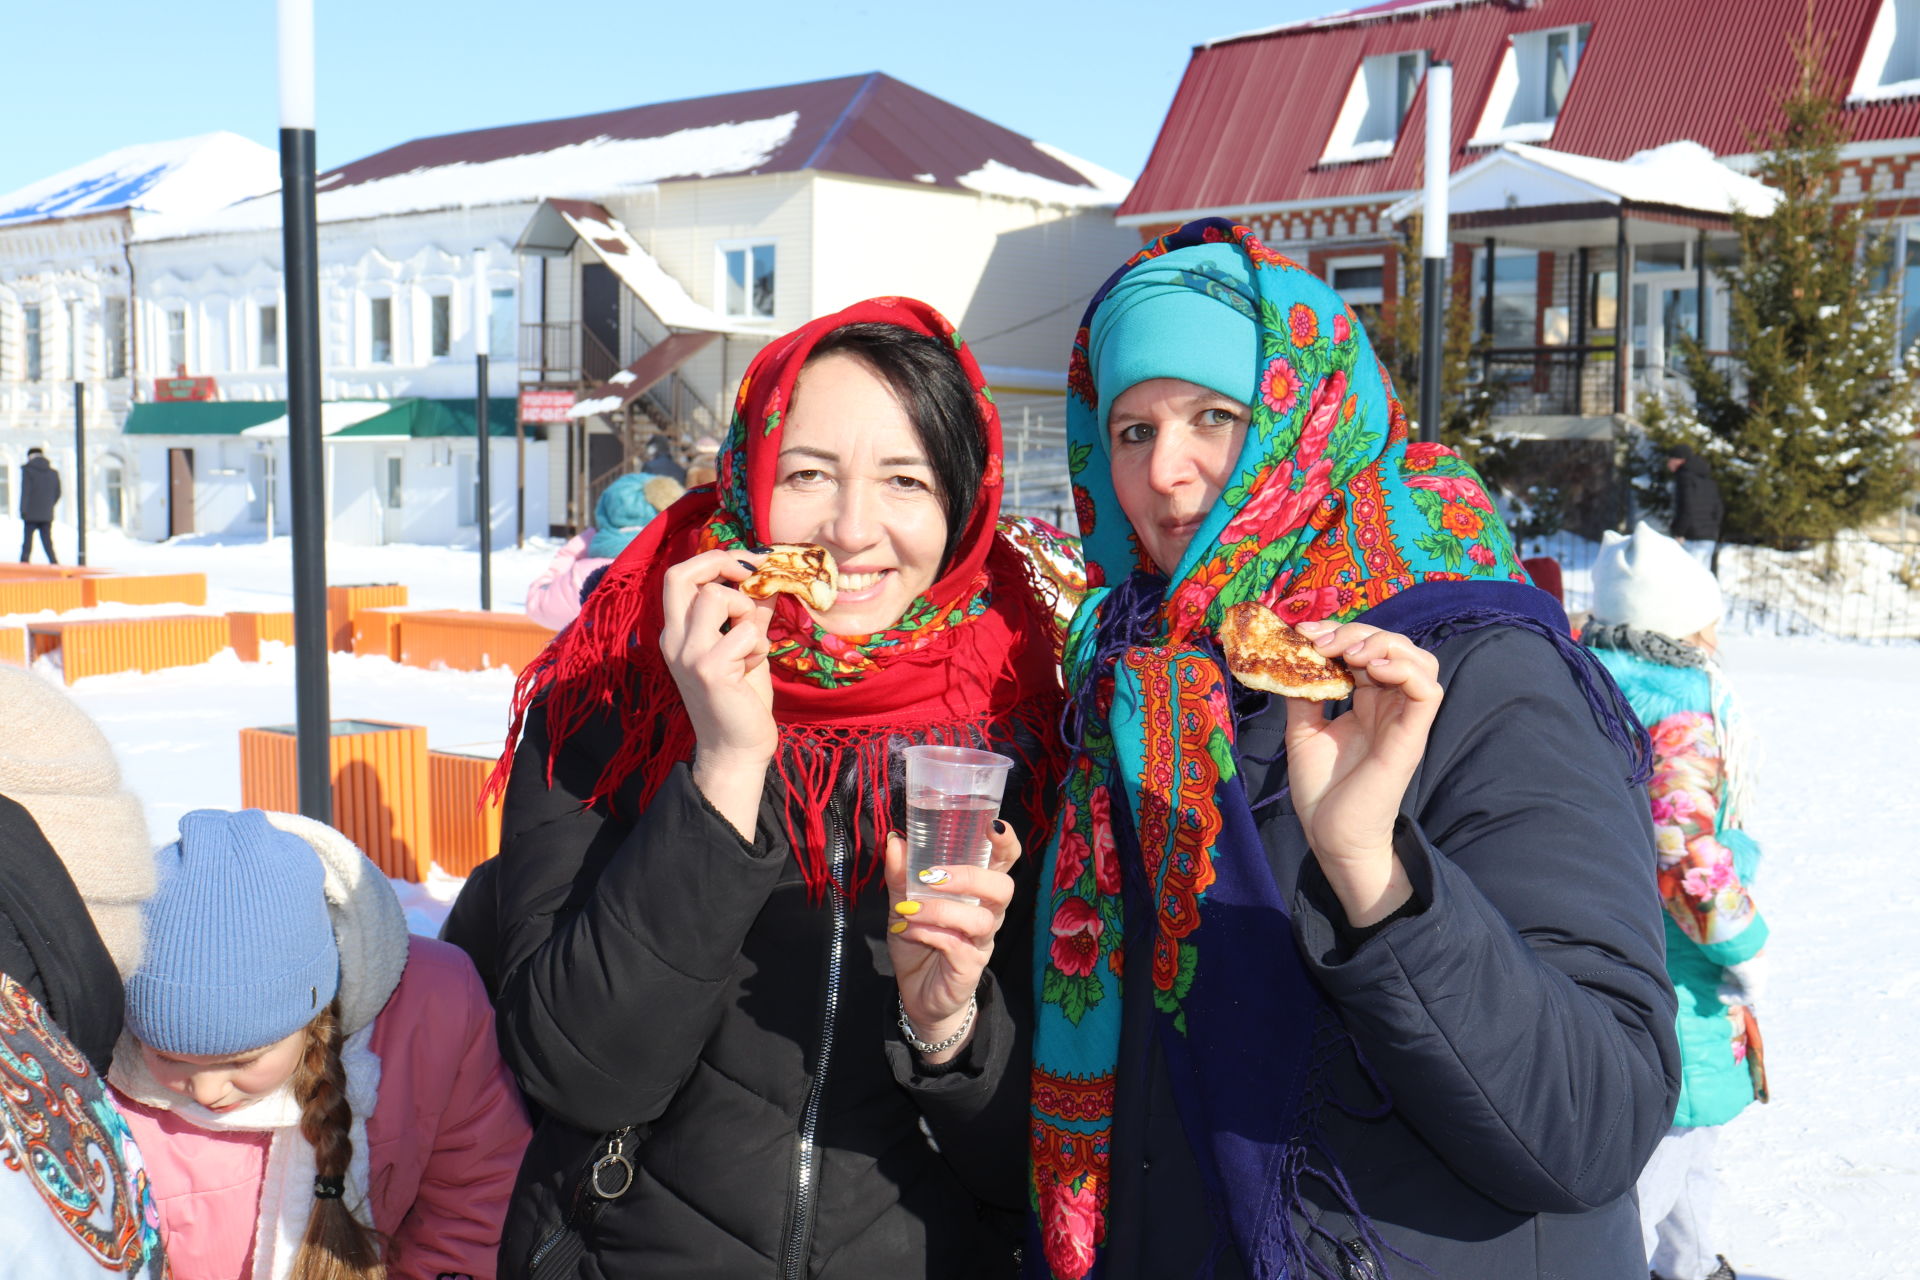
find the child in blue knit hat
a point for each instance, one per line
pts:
(317, 1093)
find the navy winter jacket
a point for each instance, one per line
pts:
(1520, 1019)
(39, 490)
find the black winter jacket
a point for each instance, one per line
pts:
(1519, 1017)
(1697, 510)
(39, 490)
(668, 975)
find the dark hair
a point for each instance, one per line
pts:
(36, 452)
(925, 376)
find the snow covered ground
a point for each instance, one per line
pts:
(1823, 1182)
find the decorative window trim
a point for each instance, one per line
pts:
(1344, 143)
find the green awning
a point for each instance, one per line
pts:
(201, 417)
(414, 418)
(430, 419)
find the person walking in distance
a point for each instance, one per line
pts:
(39, 492)
(1697, 509)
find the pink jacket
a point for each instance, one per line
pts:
(553, 600)
(445, 1141)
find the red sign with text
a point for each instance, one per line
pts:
(546, 406)
(174, 389)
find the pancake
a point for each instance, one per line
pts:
(798, 569)
(1265, 653)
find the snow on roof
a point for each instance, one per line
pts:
(185, 176)
(1102, 186)
(1383, 12)
(1683, 175)
(598, 166)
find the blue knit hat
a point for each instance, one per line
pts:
(239, 948)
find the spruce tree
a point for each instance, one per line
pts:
(1807, 428)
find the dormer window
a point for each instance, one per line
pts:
(1531, 86)
(1890, 66)
(1376, 104)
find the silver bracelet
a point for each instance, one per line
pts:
(918, 1045)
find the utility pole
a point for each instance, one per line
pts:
(300, 243)
(482, 318)
(80, 471)
(1433, 246)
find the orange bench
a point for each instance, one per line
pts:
(247, 630)
(465, 834)
(104, 646)
(376, 632)
(13, 646)
(36, 595)
(344, 603)
(382, 795)
(144, 588)
(463, 641)
(9, 570)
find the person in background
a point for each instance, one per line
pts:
(624, 509)
(1697, 509)
(1655, 617)
(704, 465)
(39, 495)
(318, 1095)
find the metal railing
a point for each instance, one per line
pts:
(564, 352)
(1857, 585)
(1548, 381)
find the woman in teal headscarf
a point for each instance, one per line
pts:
(626, 507)
(1373, 994)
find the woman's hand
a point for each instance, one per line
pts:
(724, 680)
(940, 946)
(1350, 774)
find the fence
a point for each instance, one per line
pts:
(1854, 586)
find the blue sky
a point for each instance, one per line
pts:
(87, 76)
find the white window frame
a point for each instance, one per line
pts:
(1890, 64)
(724, 247)
(1368, 127)
(261, 310)
(437, 303)
(1374, 297)
(176, 357)
(114, 335)
(503, 322)
(1516, 109)
(33, 342)
(76, 336)
(373, 302)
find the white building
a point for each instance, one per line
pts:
(66, 289)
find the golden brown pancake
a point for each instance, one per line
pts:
(799, 569)
(1265, 653)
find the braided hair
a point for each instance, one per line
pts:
(337, 1246)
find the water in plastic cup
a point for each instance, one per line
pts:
(953, 796)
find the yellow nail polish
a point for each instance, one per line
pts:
(906, 908)
(898, 926)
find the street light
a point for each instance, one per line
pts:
(482, 321)
(1433, 245)
(300, 243)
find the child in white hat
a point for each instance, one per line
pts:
(1656, 613)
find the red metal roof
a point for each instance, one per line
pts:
(869, 125)
(1253, 114)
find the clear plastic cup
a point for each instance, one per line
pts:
(953, 796)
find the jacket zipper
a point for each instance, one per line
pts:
(793, 1261)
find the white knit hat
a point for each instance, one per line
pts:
(1650, 583)
(56, 764)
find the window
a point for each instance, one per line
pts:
(1376, 103)
(1516, 280)
(32, 342)
(466, 488)
(76, 338)
(1531, 85)
(1360, 282)
(440, 342)
(269, 326)
(177, 341)
(380, 330)
(746, 288)
(116, 326)
(113, 488)
(503, 323)
(1890, 65)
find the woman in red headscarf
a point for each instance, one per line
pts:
(755, 1058)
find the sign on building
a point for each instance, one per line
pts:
(174, 389)
(545, 406)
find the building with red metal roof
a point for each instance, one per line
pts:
(1595, 151)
